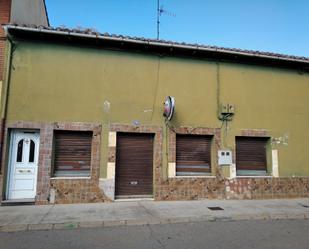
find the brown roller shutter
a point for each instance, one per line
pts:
(134, 164)
(193, 154)
(72, 152)
(251, 153)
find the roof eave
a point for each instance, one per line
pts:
(158, 44)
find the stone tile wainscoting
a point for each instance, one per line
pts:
(267, 188)
(191, 189)
(238, 188)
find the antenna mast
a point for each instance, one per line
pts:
(158, 19)
(160, 10)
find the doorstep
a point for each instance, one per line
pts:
(120, 198)
(17, 202)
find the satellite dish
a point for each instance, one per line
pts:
(169, 107)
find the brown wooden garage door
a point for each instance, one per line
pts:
(134, 165)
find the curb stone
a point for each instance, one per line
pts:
(13, 228)
(221, 219)
(164, 221)
(114, 223)
(153, 222)
(136, 222)
(91, 224)
(179, 220)
(35, 227)
(296, 216)
(71, 225)
(278, 216)
(262, 216)
(241, 217)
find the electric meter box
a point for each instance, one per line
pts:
(225, 157)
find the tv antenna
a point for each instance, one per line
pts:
(160, 11)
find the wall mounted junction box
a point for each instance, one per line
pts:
(229, 171)
(225, 157)
(227, 109)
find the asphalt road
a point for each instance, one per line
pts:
(290, 234)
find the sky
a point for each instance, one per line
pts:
(280, 26)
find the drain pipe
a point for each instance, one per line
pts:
(5, 92)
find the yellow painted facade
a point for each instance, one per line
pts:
(51, 83)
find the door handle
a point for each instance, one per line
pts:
(23, 171)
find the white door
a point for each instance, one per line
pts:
(23, 165)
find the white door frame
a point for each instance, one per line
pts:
(27, 168)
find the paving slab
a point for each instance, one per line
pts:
(71, 216)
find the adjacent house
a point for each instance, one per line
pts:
(83, 120)
(23, 12)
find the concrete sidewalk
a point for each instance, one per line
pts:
(20, 218)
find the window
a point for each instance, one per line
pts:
(20, 151)
(31, 151)
(193, 155)
(251, 155)
(72, 153)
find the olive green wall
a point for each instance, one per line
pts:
(65, 83)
